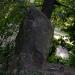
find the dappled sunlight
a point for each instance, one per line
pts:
(32, 1)
(37, 37)
(62, 52)
(58, 34)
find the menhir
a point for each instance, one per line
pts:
(33, 41)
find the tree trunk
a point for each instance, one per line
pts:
(48, 7)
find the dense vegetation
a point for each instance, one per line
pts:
(12, 13)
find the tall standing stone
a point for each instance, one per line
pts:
(33, 42)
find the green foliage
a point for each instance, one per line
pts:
(53, 59)
(64, 17)
(72, 57)
(11, 14)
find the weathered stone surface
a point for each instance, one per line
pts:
(33, 41)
